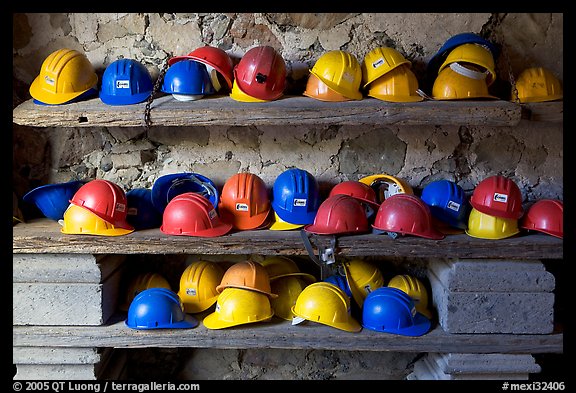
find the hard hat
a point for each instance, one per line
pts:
(457, 82)
(362, 277)
(319, 90)
(414, 288)
(380, 61)
(279, 224)
(141, 282)
(191, 214)
(498, 196)
(244, 202)
(341, 282)
(485, 226)
(453, 42)
(187, 80)
(407, 215)
(238, 95)
(141, 211)
(53, 199)
(391, 310)
(325, 303)
(158, 308)
(247, 275)
(537, 84)
(546, 216)
(125, 82)
(278, 266)
(261, 73)
(168, 186)
(236, 306)
(339, 215)
(105, 199)
(358, 190)
(288, 289)
(472, 54)
(198, 285)
(341, 72)
(447, 202)
(385, 186)
(80, 221)
(296, 196)
(214, 58)
(398, 85)
(65, 75)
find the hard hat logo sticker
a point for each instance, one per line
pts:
(300, 202)
(453, 206)
(123, 84)
(378, 63)
(243, 207)
(500, 197)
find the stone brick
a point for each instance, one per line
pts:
(57, 355)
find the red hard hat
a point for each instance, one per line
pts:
(546, 215)
(339, 214)
(498, 196)
(406, 214)
(213, 57)
(358, 190)
(244, 201)
(192, 214)
(261, 73)
(105, 199)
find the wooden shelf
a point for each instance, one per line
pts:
(44, 236)
(289, 110)
(281, 334)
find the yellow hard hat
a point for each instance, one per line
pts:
(81, 221)
(288, 289)
(279, 224)
(414, 288)
(537, 84)
(319, 90)
(238, 95)
(458, 82)
(485, 226)
(280, 266)
(198, 285)
(472, 54)
(363, 277)
(380, 61)
(65, 75)
(398, 85)
(325, 303)
(237, 306)
(386, 185)
(341, 72)
(141, 282)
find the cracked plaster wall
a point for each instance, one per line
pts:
(531, 153)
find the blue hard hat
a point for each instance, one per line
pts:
(158, 308)
(341, 282)
(141, 213)
(187, 77)
(53, 199)
(296, 196)
(125, 82)
(447, 202)
(391, 310)
(168, 186)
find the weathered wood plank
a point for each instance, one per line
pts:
(289, 110)
(281, 334)
(552, 111)
(44, 236)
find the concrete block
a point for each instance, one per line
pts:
(64, 268)
(70, 304)
(485, 363)
(493, 312)
(491, 275)
(58, 355)
(26, 372)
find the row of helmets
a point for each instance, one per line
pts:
(463, 68)
(250, 292)
(190, 204)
